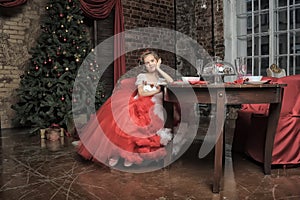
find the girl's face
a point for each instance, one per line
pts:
(150, 63)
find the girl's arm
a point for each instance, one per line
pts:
(142, 92)
(166, 76)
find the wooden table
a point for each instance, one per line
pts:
(222, 95)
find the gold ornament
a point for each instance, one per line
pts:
(69, 18)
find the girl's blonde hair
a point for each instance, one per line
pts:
(146, 53)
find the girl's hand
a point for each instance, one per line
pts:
(158, 64)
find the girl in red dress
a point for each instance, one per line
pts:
(129, 125)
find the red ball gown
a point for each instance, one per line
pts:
(127, 126)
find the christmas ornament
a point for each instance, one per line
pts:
(69, 18)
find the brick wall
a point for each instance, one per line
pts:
(19, 27)
(199, 15)
(147, 13)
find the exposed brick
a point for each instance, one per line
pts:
(9, 31)
(12, 23)
(18, 37)
(12, 41)
(18, 29)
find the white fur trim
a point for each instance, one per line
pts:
(165, 135)
(158, 108)
(179, 139)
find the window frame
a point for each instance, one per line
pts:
(234, 29)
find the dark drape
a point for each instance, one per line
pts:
(100, 9)
(11, 3)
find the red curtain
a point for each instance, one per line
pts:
(100, 9)
(11, 3)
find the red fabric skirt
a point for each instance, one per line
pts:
(125, 126)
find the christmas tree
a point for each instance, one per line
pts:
(45, 92)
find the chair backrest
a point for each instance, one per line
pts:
(291, 93)
(275, 71)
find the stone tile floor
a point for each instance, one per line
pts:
(53, 170)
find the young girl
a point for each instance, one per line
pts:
(129, 125)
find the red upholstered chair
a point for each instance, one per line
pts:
(251, 126)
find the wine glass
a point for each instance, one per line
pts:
(241, 66)
(199, 66)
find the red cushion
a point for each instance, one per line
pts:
(291, 93)
(296, 108)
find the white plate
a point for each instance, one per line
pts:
(256, 82)
(163, 83)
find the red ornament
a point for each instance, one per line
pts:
(65, 39)
(37, 68)
(62, 98)
(49, 60)
(45, 62)
(61, 15)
